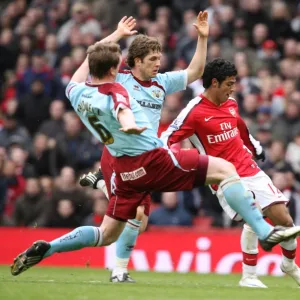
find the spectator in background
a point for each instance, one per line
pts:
(287, 125)
(52, 127)
(64, 215)
(51, 51)
(275, 161)
(15, 187)
(62, 78)
(75, 145)
(99, 209)
(12, 132)
(19, 156)
(38, 72)
(81, 20)
(264, 134)
(33, 108)
(293, 154)
(31, 208)
(47, 185)
(170, 213)
(66, 188)
(43, 157)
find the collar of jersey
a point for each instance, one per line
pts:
(145, 83)
(211, 103)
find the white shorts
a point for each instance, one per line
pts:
(266, 194)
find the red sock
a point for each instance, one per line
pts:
(290, 254)
(249, 259)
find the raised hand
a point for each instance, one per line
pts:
(133, 130)
(126, 26)
(202, 24)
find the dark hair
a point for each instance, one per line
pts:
(219, 69)
(102, 57)
(141, 47)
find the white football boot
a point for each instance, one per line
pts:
(292, 270)
(251, 281)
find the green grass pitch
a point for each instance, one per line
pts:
(41, 283)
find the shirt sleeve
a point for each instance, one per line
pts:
(71, 89)
(173, 81)
(182, 127)
(120, 99)
(249, 141)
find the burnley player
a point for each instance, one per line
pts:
(149, 88)
(140, 161)
(212, 123)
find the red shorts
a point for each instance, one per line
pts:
(157, 170)
(107, 161)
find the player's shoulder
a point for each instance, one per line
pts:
(194, 105)
(231, 102)
(112, 88)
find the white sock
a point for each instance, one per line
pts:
(249, 245)
(288, 252)
(102, 186)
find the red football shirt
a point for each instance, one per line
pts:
(217, 131)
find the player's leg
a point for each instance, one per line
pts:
(249, 245)
(125, 245)
(223, 173)
(126, 242)
(279, 215)
(81, 237)
(239, 199)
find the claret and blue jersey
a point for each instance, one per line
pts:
(151, 94)
(97, 107)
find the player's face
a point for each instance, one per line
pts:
(149, 67)
(226, 89)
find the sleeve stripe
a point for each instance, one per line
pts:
(177, 123)
(69, 90)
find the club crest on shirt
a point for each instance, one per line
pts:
(157, 93)
(232, 111)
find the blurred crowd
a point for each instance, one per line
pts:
(44, 147)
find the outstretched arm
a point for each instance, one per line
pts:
(127, 121)
(197, 64)
(124, 29)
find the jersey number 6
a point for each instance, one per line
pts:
(105, 135)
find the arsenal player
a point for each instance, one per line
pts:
(213, 125)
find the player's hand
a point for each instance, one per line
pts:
(202, 24)
(126, 26)
(261, 156)
(133, 129)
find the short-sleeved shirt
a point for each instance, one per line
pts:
(98, 106)
(151, 94)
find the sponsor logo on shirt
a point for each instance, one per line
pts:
(226, 135)
(149, 104)
(136, 88)
(138, 173)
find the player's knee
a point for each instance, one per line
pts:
(226, 169)
(286, 222)
(108, 240)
